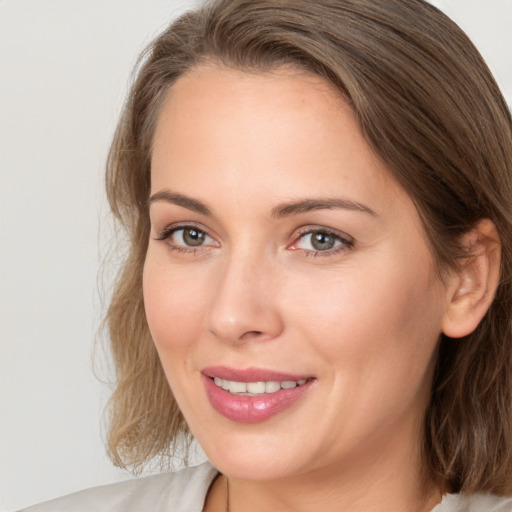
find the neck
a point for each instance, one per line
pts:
(382, 494)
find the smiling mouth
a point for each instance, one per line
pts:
(256, 388)
(253, 395)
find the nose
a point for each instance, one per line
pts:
(243, 305)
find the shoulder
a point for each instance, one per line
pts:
(184, 490)
(474, 503)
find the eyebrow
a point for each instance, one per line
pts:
(279, 211)
(180, 200)
(307, 205)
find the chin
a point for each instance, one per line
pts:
(256, 461)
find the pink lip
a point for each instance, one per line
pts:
(251, 409)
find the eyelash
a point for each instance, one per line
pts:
(345, 242)
(168, 232)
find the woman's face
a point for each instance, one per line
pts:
(287, 265)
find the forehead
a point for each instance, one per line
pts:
(284, 132)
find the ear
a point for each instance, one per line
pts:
(471, 289)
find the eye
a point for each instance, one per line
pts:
(322, 241)
(186, 237)
(190, 236)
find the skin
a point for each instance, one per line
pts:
(363, 318)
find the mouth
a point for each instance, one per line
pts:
(253, 395)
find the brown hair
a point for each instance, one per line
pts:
(428, 105)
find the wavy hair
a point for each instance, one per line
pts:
(429, 107)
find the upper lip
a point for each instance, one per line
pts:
(250, 374)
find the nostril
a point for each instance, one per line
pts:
(251, 334)
(236, 317)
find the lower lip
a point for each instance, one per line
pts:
(252, 409)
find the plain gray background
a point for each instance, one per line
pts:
(64, 66)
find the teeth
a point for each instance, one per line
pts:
(272, 386)
(256, 388)
(237, 387)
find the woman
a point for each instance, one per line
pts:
(319, 202)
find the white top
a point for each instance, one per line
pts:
(185, 491)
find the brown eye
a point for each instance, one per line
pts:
(187, 237)
(192, 237)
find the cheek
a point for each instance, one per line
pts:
(375, 336)
(174, 304)
(375, 319)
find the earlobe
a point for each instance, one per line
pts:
(472, 288)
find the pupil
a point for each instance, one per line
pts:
(322, 241)
(193, 237)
